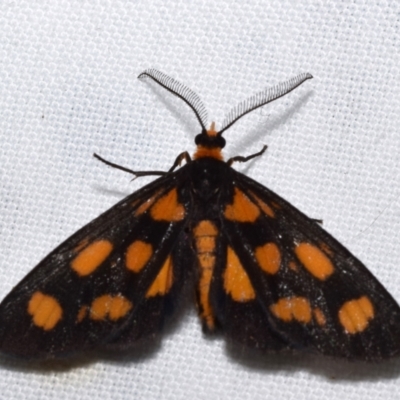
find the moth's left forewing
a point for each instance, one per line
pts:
(313, 293)
(111, 283)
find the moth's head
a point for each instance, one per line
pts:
(209, 143)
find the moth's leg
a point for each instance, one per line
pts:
(177, 162)
(245, 159)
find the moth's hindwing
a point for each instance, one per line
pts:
(110, 284)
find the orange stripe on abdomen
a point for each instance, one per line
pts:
(205, 233)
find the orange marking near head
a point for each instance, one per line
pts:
(292, 308)
(268, 258)
(212, 131)
(82, 313)
(110, 306)
(242, 209)
(265, 208)
(204, 152)
(314, 260)
(354, 315)
(137, 255)
(236, 280)
(163, 282)
(167, 208)
(319, 316)
(205, 234)
(45, 310)
(90, 258)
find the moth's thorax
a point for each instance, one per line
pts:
(206, 152)
(208, 176)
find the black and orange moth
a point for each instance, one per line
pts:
(265, 275)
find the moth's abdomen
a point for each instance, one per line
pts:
(205, 237)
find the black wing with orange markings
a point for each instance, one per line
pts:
(264, 273)
(111, 283)
(287, 284)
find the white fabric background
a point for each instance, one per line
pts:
(68, 88)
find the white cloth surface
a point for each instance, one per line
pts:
(68, 88)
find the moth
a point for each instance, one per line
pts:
(263, 273)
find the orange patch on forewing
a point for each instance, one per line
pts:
(45, 310)
(163, 282)
(268, 258)
(81, 245)
(109, 306)
(90, 258)
(319, 316)
(314, 260)
(265, 208)
(354, 315)
(137, 255)
(167, 208)
(242, 209)
(236, 280)
(205, 239)
(292, 308)
(82, 313)
(146, 205)
(325, 248)
(293, 266)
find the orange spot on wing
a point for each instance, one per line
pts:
(205, 238)
(314, 260)
(146, 205)
(292, 308)
(203, 152)
(109, 306)
(242, 209)
(293, 266)
(319, 316)
(354, 315)
(81, 245)
(265, 208)
(163, 282)
(236, 280)
(326, 249)
(45, 310)
(82, 313)
(167, 208)
(137, 255)
(90, 258)
(268, 258)
(120, 306)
